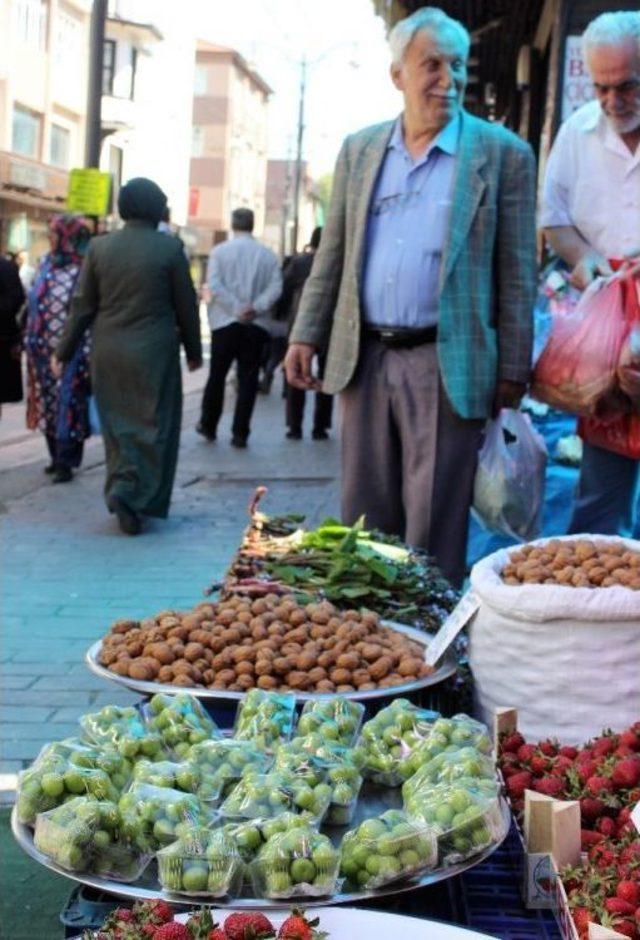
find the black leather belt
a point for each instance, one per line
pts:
(402, 338)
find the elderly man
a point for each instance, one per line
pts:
(422, 289)
(591, 215)
(244, 282)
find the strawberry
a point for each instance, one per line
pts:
(297, 927)
(581, 918)
(625, 927)
(172, 931)
(626, 773)
(201, 925)
(561, 765)
(549, 748)
(539, 764)
(591, 808)
(631, 739)
(607, 826)
(526, 752)
(586, 769)
(629, 891)
(567, 751)
(588, 838)
(549, 786)
(517, 784)
(511, 742)
(217, 934)
(618, 906)
(605, 745)
(599, 784)
(248, 926)
(623, 751)
(123, 915)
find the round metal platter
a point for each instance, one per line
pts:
(445, 669)
(148, 888)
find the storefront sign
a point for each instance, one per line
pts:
(461, 614)
(577, 87)
(88, 192)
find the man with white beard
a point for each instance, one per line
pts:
(591, 214)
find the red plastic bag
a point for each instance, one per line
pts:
(577, 369)
(620, 431)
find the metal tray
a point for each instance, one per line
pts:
(148, 888)
(445, 669)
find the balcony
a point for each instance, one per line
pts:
(118, 114)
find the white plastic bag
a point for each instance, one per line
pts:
(509, 486)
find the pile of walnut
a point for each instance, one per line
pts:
(271, 643)
(579, 563)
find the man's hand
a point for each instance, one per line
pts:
(56, 366)
(590, 266)
(194, 364)
(298, 365)
(508, 395)
(246, 315)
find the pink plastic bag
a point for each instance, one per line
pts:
(578, 367)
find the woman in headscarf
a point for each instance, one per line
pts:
(137, 295)
(59, 407)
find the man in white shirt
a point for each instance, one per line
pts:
(244, 281)
(591, 215)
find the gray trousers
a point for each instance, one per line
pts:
(408, 461)
(606, 495)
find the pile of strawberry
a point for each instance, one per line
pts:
(153, 920)
(604, 775)
(606, 888)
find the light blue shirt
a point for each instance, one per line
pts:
(407, 225)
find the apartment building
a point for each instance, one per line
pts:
(148, 75)
(43, 80)
(278, 228)
(229, 143)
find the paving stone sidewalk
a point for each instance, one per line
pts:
(67, 572)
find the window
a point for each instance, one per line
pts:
(200, 80)
(25, 136)
(67, 42)
(197, 141)
(30, 23)
(108, 66)
(60, 146)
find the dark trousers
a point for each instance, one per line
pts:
(242, 343)
(65, 454)
(323, 407)
(606, 496)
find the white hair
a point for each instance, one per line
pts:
(612, 29)
(426, 18)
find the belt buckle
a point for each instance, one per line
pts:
(387, 336)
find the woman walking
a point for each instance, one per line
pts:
(11, 300)
(58, 406)
(137, 295)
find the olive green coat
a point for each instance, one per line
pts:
(136, 294)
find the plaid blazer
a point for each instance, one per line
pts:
(488, 274)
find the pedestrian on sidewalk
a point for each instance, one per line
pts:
(11, 301)
(244, 279)
(591, 215)
(58, 405)
(295, 276)
(423, 290)
(136, 293)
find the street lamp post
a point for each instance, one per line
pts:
(94, 95)
(298, 173)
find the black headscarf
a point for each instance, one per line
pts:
(141, 199)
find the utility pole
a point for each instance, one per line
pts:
(298, 173)
(94, 95)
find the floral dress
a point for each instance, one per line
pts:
(58, 408)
